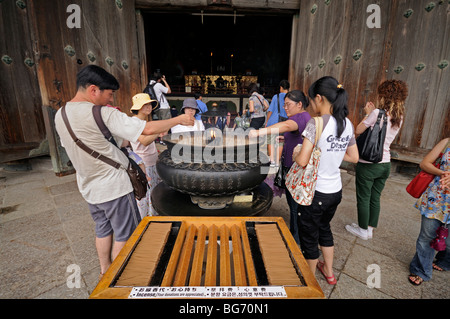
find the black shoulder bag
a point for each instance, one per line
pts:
(280, 178)
(137, 176)
(370, 143)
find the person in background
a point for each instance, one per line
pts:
(371, 177)
(295, 105)
(145, 148)
(189, 107)
(223, 122)
(202, 107)
(107, 190)
(173, 111)
(434, 206)
(257, 106)
(273, 117)
(238, 122)
(161, 88)
(337, 142)
(210, 121)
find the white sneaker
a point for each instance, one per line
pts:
(357, 231)
(369, 230)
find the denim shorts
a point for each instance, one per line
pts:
(314, 223)
(119, 217)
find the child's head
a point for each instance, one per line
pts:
(142, 102)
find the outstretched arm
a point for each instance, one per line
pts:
(277, 128)
(161, 126)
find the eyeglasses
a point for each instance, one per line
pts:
(288, 105)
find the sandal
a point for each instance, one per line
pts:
(436, 267)
(415, 279)
(330, 280)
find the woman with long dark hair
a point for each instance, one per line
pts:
(328, 99)
(295, 104)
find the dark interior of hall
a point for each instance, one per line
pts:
(179, 44)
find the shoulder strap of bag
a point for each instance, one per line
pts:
(278, 102)
(385, 118)
(439, 159)
(261, 102)
(152, 86)
(319, 129)
(383, 130)
(446, 146)
(381, 114)
(97, 112)
(83, 146)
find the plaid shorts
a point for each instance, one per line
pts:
(119, 217)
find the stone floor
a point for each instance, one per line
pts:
(46, 229)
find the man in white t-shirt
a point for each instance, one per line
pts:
(163, 113)
(161, 90)
(106, 189)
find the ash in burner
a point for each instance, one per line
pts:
(211, 136)
(213, 146)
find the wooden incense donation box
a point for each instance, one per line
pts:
(209, 257)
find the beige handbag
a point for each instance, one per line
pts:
(301, 181)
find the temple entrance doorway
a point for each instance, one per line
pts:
(218, 54)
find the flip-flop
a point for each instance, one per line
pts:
(330, 280)
(436, 267)
(416, 280)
